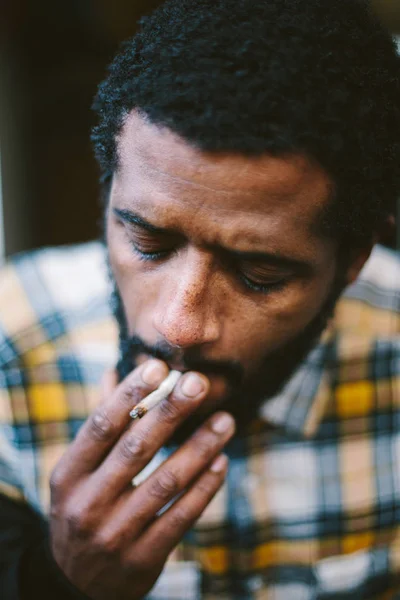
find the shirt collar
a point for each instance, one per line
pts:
(299, 407)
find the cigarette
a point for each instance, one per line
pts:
(162, 392)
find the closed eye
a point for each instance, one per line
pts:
(153, 244)
(255, 283)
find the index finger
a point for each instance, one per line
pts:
(106, 424)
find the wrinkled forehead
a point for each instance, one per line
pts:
(160, 172)
(144, 144)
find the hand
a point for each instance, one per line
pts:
(105, 535)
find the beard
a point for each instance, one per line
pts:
(245, 394)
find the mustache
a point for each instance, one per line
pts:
(190, 360)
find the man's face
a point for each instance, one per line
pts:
(217, 258)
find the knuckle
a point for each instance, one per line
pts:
(146, 560)
(132, 448)
(169, 413)
(55, 514)
(180, 517)
(100, 427)
(131, 394)
(79, 522)
(56, 483)
(165, 486)
(208, 485)
(107, 543)
(205, 444)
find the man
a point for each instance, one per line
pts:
(250, 160)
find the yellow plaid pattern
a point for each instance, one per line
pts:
(311, 505)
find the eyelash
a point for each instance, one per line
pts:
(255, 287)
(265, 288)
(149, 256)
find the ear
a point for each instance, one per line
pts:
(361, 255)
(359, 258)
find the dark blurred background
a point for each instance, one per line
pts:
(52, 56)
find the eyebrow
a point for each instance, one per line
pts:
(276, 259)
(129, 217)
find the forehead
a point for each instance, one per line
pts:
(166, 177)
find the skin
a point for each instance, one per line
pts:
(193, 299)
(105, 536)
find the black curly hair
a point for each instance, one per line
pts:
(319, 77)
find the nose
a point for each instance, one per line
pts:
(186, 313)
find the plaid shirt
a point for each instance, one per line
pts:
(311, 504)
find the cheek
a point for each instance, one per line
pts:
(121, 258)
(136, 290)
(282, 317)
(252, 325)
(300, 307)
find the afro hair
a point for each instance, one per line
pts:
(319, 78)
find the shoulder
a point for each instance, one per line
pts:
(46, 293)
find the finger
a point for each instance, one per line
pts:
(174, 475)
(101, 430)
(109, 382)
(167, 531)
(145, 437)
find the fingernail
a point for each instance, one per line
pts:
(192, 385)
(219, 464)
(153, 373)
(222, 423)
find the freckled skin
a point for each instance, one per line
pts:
(190, 299)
